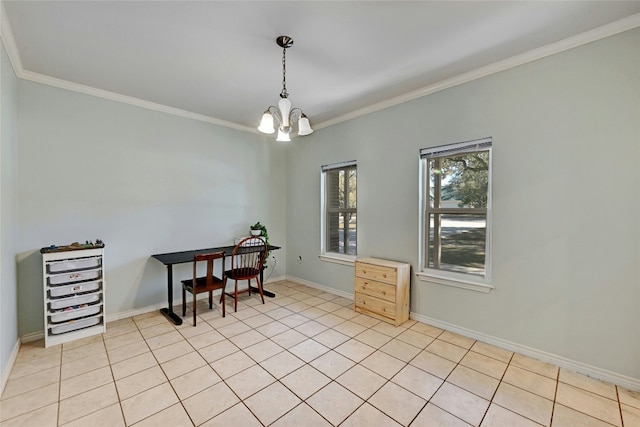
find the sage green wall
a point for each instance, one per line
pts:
(8, 211)
(566, 200)
(145, 182)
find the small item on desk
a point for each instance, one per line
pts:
(73, 246)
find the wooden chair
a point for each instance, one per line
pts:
(246, 264)
(208, 283)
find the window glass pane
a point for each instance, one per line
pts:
(335, 236)
(461, 242)
(335, 189)
(351, 188)
(351, 234)
(459, 180)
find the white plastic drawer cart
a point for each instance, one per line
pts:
(74, 287)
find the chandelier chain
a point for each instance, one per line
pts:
(284, 93)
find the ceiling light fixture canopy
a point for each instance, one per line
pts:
(283, 115)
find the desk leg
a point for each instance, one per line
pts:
(265, 292)
(168, 311)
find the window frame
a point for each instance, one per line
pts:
(325, 254)
(446, 277)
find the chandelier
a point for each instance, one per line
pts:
(283, 115)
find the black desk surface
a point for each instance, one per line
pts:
(171, 258)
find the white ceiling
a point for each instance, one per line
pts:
(219, 59)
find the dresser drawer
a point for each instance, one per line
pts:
(79, 276)
(62, 303)
(376, 272)
(73, 289)
(375, 305)
(74, 325)
(73, 264)
(375, 289)
(75, 313)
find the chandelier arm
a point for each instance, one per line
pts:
(275, 111)
(295, 114)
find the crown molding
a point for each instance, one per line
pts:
(613, 28)
(624, 24)
(89, 90)
(6, 33)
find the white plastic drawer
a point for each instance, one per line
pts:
(76, 288)
(78, 276)
(73, 264)
(75, 313)
(75, 325)
(58, 304)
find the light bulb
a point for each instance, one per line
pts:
(283, 136)
(266, 124)
(304, 128)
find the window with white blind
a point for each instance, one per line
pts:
(456, 212)
(339, 210)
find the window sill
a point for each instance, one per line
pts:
(456, 282)
(339, 259)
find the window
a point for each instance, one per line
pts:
(339, 224)
(456, 200)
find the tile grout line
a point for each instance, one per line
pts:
(555, 397)
(163, 373)
(444, 381)
(113, 376)
(619, 406)
(59, 388)
(496, 390)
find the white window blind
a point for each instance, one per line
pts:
(340, 165)
(457, 148)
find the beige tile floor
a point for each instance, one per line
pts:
(304, 358)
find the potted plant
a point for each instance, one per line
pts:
(260, 230)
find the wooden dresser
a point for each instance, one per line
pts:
(382, 289)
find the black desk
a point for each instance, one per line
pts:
(171, 258)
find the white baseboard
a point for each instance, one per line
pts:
(33, 336)
(274, 279)
(563, 362)
(4, 378)
(327, 289)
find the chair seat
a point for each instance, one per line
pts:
(242, 274)
(201, 284)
